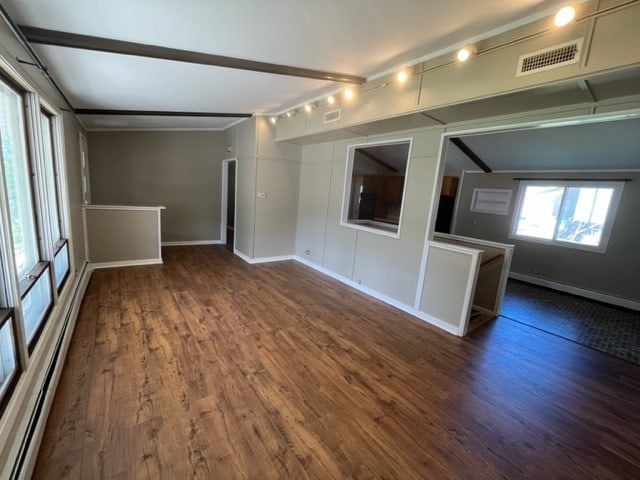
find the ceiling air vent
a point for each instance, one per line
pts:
(332, 116)
(549, 58)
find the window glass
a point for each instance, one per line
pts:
(17, 177)
(50, 175)
(35, 305)
(561, 213)
(61, 264)
(584, 213)
(8, 364)
(539, 211)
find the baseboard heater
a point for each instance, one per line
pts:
(42, 394)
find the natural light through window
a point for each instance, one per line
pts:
(578, 214)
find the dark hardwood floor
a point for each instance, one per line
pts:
(206, 367)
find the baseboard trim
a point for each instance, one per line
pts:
(254, 261)
(126, 263)
(581, 292)
(195, 242)
(436, 322)
(30, 445)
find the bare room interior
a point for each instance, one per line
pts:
(340, 240)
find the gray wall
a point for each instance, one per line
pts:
(266, 225)
(390, 266)
(615, 272)
(178, 169)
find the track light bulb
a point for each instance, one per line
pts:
(564, 16)
(465, 53)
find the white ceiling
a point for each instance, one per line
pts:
(357, 37)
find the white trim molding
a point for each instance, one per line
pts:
(190, 242)
(581, 292)
(126, 263)
(254, 261)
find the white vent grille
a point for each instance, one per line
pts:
(549, 58)
(332, 116)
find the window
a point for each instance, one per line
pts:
(18, 181)
(9, 366)
(34, 273)
(60, 246)
(577, 214)
(375, 185)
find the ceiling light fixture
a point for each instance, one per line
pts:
(289, 113)
(402, 76)
(564, 16)
(348, 94)
(308, 108)
(465, 53)
(331, 100)
(273, 120)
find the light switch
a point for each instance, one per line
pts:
(262, 195)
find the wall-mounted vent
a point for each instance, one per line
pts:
(332, 116)
(549, 58)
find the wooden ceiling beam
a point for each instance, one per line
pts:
(464, 148)
(159, 113)
(100, 44)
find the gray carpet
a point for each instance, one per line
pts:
(607, 328)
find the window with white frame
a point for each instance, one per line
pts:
(59, 242)
(21, 175)
(375, 183)
(576, 214)
(9, 365)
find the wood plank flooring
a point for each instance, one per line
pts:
(206, 367)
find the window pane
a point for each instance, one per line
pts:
(583, 215)
(16, 166)
(539, 211)
(61, 264)
(7, 355)
(50, 177)
(35, 305)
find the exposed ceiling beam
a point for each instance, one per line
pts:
(87, 42)
(471, 154)
(159, 113)
(379, 161)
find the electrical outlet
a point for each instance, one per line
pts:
(307, 252)
(262, 195)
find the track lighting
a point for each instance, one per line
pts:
(348, 94)
(331, 100)
(564, 16)
(465, 53)
(402, 76)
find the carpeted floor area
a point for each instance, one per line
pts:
(607, 328)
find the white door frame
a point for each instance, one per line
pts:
(223, 203)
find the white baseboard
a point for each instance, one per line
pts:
(195, 242)
(581, 292)
(254, 261)
(126, 263)
(383, 298)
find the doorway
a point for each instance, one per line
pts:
(228, 216)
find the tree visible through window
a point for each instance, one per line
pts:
(557, 212)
